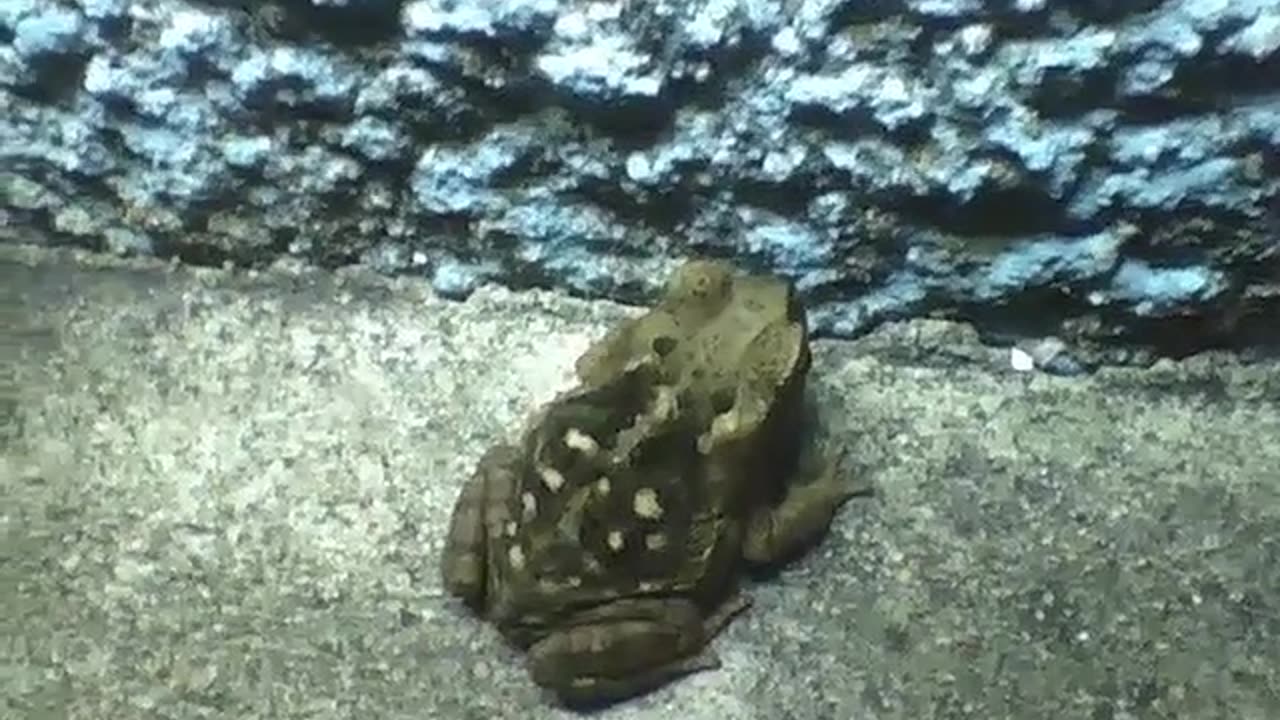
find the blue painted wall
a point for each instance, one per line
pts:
(1116, 162)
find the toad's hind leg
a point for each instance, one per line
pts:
(477, 516)
(778, 532)
(628, 647)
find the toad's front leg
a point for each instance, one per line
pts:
(627, 647)
(779, 532)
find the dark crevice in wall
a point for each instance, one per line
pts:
(395, 173)
(1109, 337)
(1109, 11)
(1206, 84)
(861, 124)
(200, 73)
(268, 108)
(115, 30)
(1070, 93)
(522, 275)
(853, 13)
(282, 242)
(424, 129)
(1160, 109)
(516, 100)
(1252, 336)
(635, 121)
(331, 257)
(1014, 213)
(662, 209)
(353, 26)
(790, 199)
(58, 79)
(1230, 79)
(1032, 314)
(198, 254)
(523, 94)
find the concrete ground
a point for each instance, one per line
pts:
(223, 496)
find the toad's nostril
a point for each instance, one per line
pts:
(663, 345)
(722, 400)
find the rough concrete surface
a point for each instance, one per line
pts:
(223, 496)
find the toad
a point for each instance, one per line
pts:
(608, 541)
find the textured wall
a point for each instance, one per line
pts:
(1098, 170)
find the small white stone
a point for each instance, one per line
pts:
(602, 485)
(615, 540)
(655, 541)
(1020, 360)
(530, 504)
